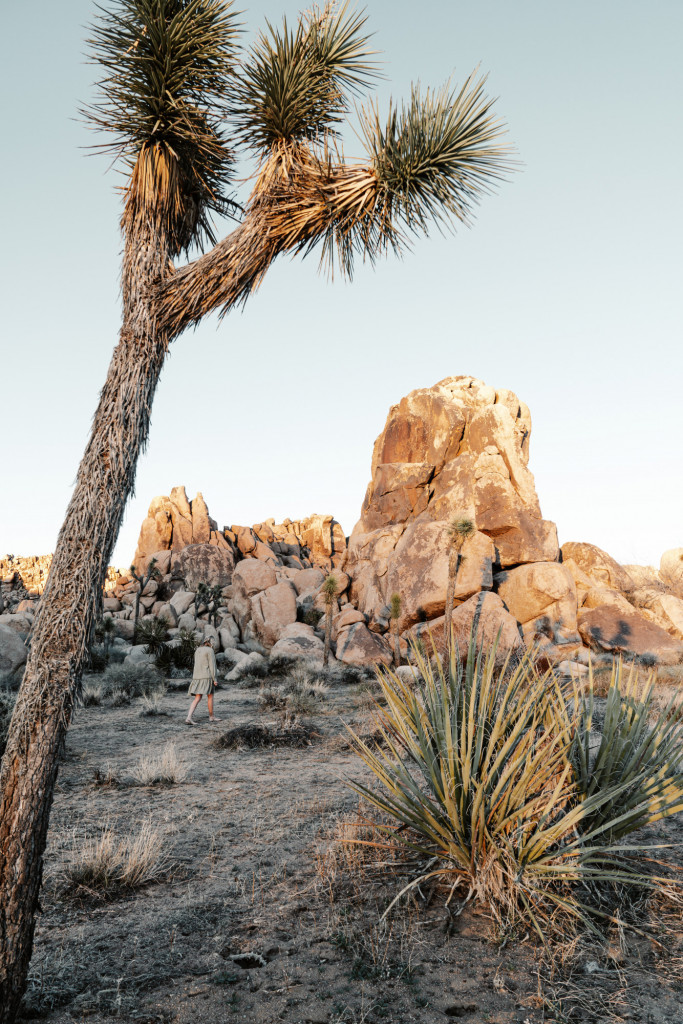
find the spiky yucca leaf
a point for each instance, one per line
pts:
(169, 65)
(639, 748)
(294, 82)
(477, 765)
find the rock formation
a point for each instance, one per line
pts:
(460, 448)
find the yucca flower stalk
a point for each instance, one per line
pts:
(485, 769)
(179, 98)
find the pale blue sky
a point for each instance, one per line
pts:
(567, 290)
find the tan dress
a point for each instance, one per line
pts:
(204, 674)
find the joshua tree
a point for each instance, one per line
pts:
(202, 595)
(394, 615)
(142, 580)
(459, 529)
(329, 590)
(180, 99)
(215, 594)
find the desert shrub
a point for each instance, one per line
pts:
(92, 692)
(97, 658)
(165, 768)
(272, 698)
(281, 665)
(153, 633)
(7, 702)
(151, 704)
(182, 652)
(122, 682)
(489, 772)
(312, 617)
(117, 655)
(111, 865)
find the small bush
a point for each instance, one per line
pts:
(92, 692)
(109, 865)
(151, 705)
(312, 617)
(7, 702)
(122, 682)
(165, 768)
(97, 658)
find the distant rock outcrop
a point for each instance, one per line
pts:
(458, 448)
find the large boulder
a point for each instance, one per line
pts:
(299, 641)
(182, 601)
(671, 569)
(666, 609)
(250, 577)
(356, 645)
(612, 629)
(19, 624)
(598, 565)
(271, 610)
(205, 563)
(458, 448)
(486, 615)
(541, 597)
(13, 652)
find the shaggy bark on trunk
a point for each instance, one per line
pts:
(67, 611)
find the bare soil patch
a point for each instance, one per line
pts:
(261, 915)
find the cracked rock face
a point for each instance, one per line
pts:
(458, 448)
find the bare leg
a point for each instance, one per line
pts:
(193, 708)
(212, 717)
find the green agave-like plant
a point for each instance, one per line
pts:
(479, 768)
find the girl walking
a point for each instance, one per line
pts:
(203, 680)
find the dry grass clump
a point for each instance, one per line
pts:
(252, 736)
(304, 693)
(508, 796)
(110, 865)
(150, 705)
(163, 769)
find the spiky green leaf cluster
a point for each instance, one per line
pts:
(169, 65)
(489, 771)
(437, 155)
(295, 83)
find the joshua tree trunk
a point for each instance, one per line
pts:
(453, 564)
(328, 634)
(67, 610)
(397, 644)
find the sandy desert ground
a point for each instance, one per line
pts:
(261, 914)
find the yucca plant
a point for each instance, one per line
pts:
(187, 642)
(153, 633)
(640, 752)
(329, 590)
(179, 98)
(479, 769)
